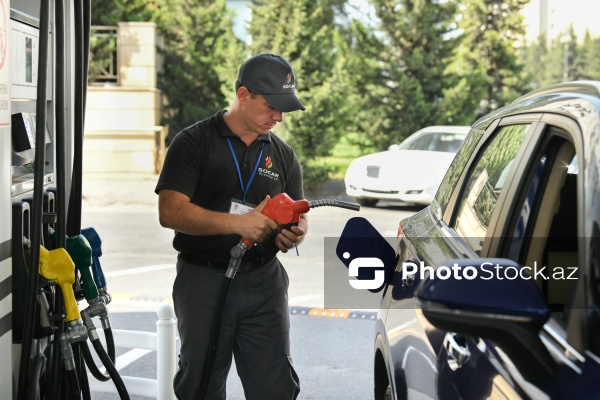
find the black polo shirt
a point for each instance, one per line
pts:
(199, 163)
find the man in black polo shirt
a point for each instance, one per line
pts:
(217, 177)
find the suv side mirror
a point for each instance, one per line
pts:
(494, 299)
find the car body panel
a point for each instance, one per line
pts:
(423, 361)
(390, 175)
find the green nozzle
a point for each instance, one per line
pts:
(81, 253)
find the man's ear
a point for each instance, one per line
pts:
(243, 94)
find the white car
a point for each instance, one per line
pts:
(410, 172)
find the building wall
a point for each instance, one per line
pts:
(122, 131)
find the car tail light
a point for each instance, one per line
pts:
(400, 233)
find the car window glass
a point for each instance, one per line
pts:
(456, 168)
(485, 183)
(544, 240)
(434, 141)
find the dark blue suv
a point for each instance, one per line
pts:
(495, 288)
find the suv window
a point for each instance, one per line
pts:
(485, 183)
(545, 236)
(456, 168)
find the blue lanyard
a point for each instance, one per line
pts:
(237, 165)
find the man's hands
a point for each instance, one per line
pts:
(178, 213)
(285, 240)
(258, 226)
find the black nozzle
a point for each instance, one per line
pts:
(333, 203)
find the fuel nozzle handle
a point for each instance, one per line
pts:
(80, 251)
(96, 244)
(283, 210)
(56, 265)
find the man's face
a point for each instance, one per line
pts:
(261, 117)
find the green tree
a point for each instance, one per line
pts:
(112, 12)
(588, 58)
(554, 64)
(533, 59)
(418, 38)
(368, 91)
(489, 73)
(305, 33)
(200, 59)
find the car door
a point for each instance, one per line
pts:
(466, 366)
(536, 222)
(430, 242)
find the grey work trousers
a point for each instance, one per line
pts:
(254, 328)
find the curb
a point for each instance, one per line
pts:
(124, 298)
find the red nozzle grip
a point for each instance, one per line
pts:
(283, 210)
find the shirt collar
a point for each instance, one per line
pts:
(224, 130)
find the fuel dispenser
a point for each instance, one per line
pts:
(48, 264)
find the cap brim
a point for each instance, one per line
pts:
(284, 102)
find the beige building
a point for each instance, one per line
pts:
(123, 113)
(554, 17)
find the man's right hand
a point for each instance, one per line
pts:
(257, 226)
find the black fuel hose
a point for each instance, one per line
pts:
(54, 368)
(37, 370)
(110, 343)
(87, 32)
(89, 360)
(84, 385)
(333, 203)
(38, 198)
(215, 327)
(84, 382)
(74, 213)
(111, 369)
(60, 137)
(73, 384)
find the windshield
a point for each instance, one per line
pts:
(434, 141)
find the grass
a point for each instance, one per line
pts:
(343, 153)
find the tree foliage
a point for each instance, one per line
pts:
(200, 59)
(305, 33)
(406, 58)
(374, 82)
(487, 68)
(564, 57)
(110, 13)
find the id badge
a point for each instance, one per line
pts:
(238, 207)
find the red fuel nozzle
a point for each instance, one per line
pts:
(283, 210)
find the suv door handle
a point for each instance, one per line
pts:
(456, 349)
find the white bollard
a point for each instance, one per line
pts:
(166, 356)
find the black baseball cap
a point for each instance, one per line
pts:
(272, 77)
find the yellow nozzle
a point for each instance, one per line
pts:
(56, 265)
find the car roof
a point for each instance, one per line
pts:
(575, 99)
(445, 129)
